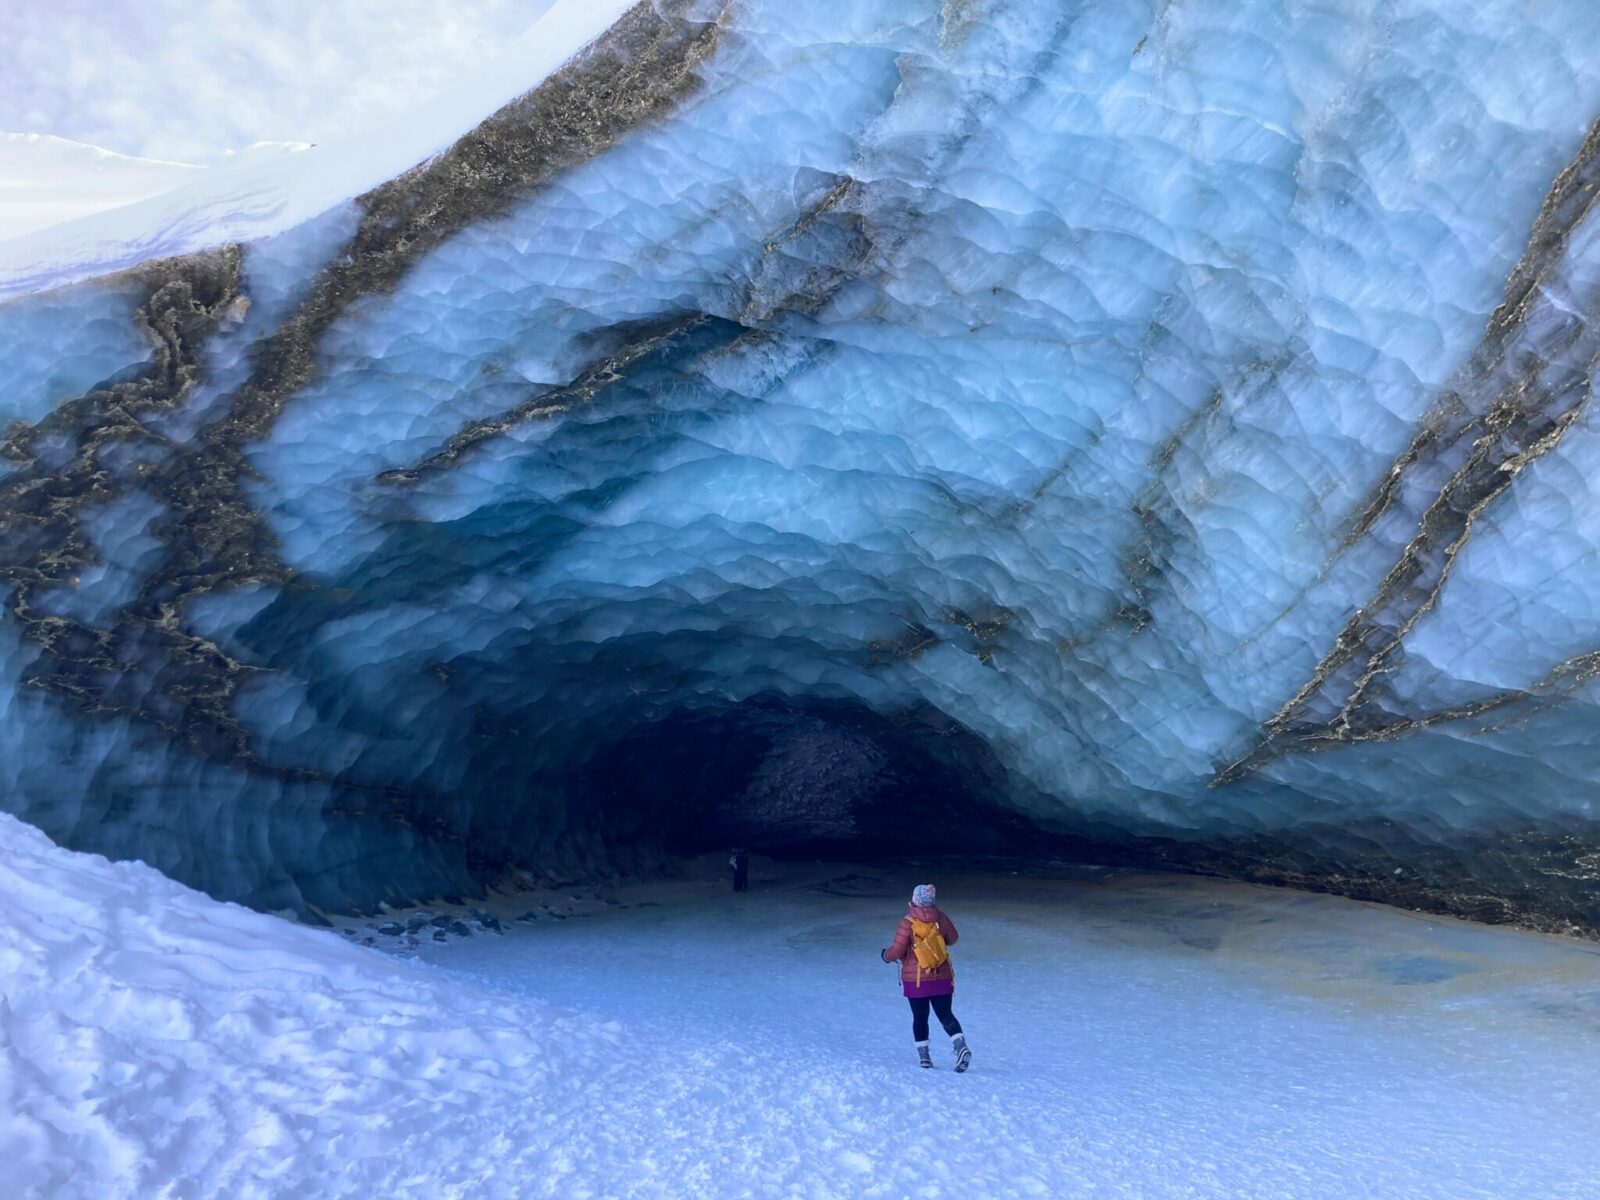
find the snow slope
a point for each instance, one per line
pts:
(194, 79)
(152, 1037)
(254, 196)
(1143, 1038)
(47, 180)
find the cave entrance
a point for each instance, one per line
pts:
(804, 779)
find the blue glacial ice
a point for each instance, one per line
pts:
(1158, 428)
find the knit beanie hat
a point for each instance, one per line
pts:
(924, 894)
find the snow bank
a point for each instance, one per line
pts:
(255, 197)
(151, 1038)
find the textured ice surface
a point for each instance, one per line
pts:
(1168, 423)
(1137, 1037)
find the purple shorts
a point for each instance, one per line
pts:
(928, 987)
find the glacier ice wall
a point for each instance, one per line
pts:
(1158, 429)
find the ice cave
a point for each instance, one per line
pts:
(1116, 453)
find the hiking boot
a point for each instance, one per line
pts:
(924, 1059)
(958, 1043)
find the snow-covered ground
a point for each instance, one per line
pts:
(1135, 1035)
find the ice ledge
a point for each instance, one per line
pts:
(261, 196)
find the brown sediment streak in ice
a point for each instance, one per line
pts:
(1524, 385)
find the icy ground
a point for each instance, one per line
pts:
(1135, 1036)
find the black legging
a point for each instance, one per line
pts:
(941, 1009)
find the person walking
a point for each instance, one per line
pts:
(739, 861)
(927, 977)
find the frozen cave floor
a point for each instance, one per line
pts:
(1134, 1035)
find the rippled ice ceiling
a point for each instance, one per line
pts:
(1163, 425)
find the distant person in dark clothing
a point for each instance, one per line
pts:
(740, 862)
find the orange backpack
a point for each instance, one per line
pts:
(927, 943)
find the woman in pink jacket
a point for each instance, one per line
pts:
(927, 987)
